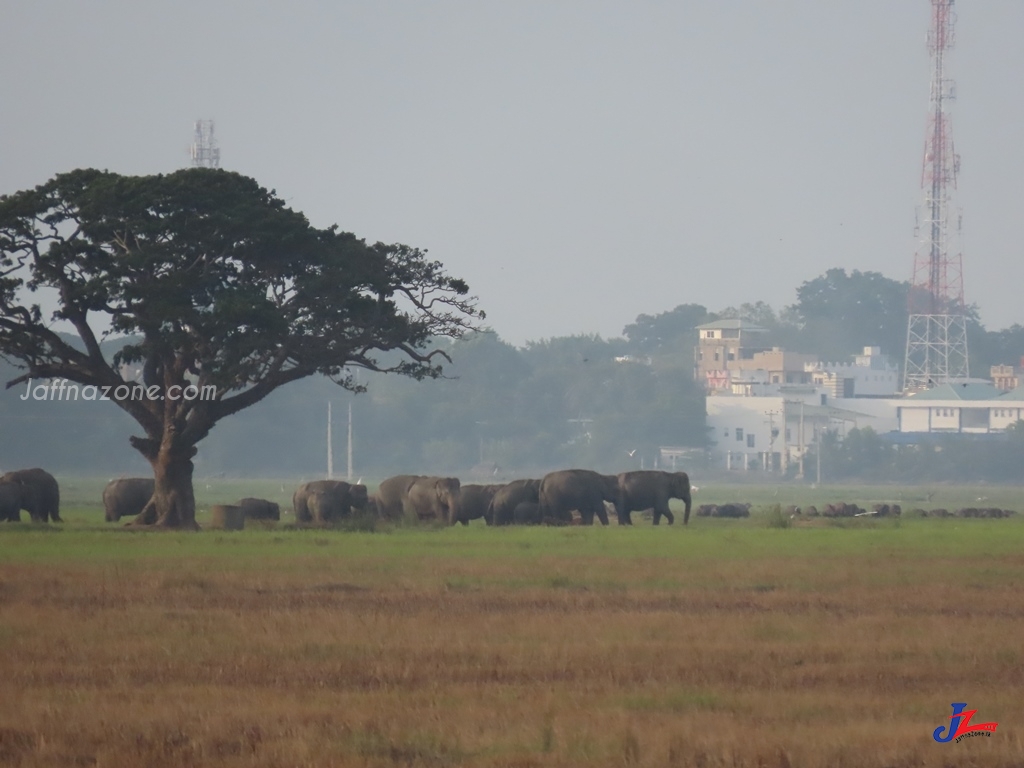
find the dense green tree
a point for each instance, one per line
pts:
(223, 287)
(672, 331)
(841, 313)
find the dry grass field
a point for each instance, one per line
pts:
(727, 643)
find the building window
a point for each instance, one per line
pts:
(750, 441)
(739, 434)
(716, 355)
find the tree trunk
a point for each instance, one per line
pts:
(173, 504)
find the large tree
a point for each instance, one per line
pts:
(217, 284)
(842, 313)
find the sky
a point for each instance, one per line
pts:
(577, 162)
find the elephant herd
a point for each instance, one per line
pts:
(551, 499)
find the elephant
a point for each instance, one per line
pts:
(474, 501)
(10, 502)
(323, 506)
(652, 489)
(420, 497)
(391, 494)
(126, 497)
(38, 491)
(259, 509)
(581, 489)
(335, 500)
(527, 513)
(501, 510)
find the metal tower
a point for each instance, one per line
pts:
(204, 150)
(937, 326)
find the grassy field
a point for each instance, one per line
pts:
(726, 643)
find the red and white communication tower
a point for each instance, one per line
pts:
(937, 327)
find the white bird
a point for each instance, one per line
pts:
(632, 452)
(694, 489)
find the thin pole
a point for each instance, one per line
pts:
(349, 476)
(330, 446)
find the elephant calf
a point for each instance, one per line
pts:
(126, 497)
(501, 510)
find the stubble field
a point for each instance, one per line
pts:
(726, 643)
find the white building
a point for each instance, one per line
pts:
(968, 408)
(771, 433)
(869, 375)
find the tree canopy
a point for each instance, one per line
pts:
(839, 314)
(218, 285)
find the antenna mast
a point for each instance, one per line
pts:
(204, 150)
(937, 325)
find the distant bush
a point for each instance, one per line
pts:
(775, 518)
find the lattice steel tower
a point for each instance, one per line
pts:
(937, 327)
(204, 150)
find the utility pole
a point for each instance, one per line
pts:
(800, 440)
(817, 440)
(330, 445)
(772, 434)
(349, 475)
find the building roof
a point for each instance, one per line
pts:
(1013, 394)
(964, 391)
(811, 411)
(730, 324)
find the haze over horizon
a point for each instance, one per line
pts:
(578, 164)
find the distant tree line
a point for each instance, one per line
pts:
(564, 401)
(867, 456)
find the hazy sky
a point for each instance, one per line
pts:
(578, 162)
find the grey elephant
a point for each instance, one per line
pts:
(391, 494)
(259, 509)
(502, 507)
(335, 500)
(38, 491)
(652, 489)
(126, 497)
(581, 489)
(420, 497)
(527, 513)
(10, 502)
(474, 501)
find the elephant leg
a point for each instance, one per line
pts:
(587, 516)
(668, 515)
(623, 513)
(602, 515)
